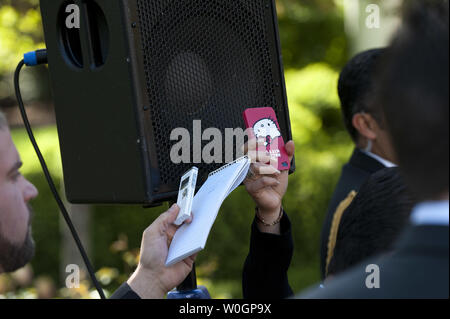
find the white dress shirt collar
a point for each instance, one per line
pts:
(383, 161)
(431, 213)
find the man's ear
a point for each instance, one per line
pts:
(366, 125)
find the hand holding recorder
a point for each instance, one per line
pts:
(152, 279)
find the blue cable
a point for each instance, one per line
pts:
(34, 58)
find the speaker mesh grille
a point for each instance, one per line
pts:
(204, 60)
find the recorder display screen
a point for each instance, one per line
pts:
(184, 183)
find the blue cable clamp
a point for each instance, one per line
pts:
(34, 58)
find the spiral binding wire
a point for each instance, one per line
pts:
(243, 158)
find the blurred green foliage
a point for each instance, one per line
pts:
(20, 31)
(312, 31)
(314, 49)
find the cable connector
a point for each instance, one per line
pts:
(34, 58)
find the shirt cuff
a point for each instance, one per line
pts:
(125, 292)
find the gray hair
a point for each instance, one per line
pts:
(3, 122)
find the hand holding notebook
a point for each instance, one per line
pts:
(190, 239)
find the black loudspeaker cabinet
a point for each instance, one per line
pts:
(135, 70)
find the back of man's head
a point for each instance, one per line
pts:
(356, 85)
(373, 221)
(414, 94)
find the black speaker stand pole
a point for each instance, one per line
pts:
(190, 283)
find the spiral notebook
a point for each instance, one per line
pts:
(190, 239)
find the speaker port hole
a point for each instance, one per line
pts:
(70, 41)
(99, 33)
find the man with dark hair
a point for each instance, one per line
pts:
(417, 116)
(413, 91)
(372, 222)
(364, 122)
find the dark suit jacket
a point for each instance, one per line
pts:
(417, 269)
(354, 174)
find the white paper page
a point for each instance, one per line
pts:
(240, 178)
(190, 239)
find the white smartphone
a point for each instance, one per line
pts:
(186, 195)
